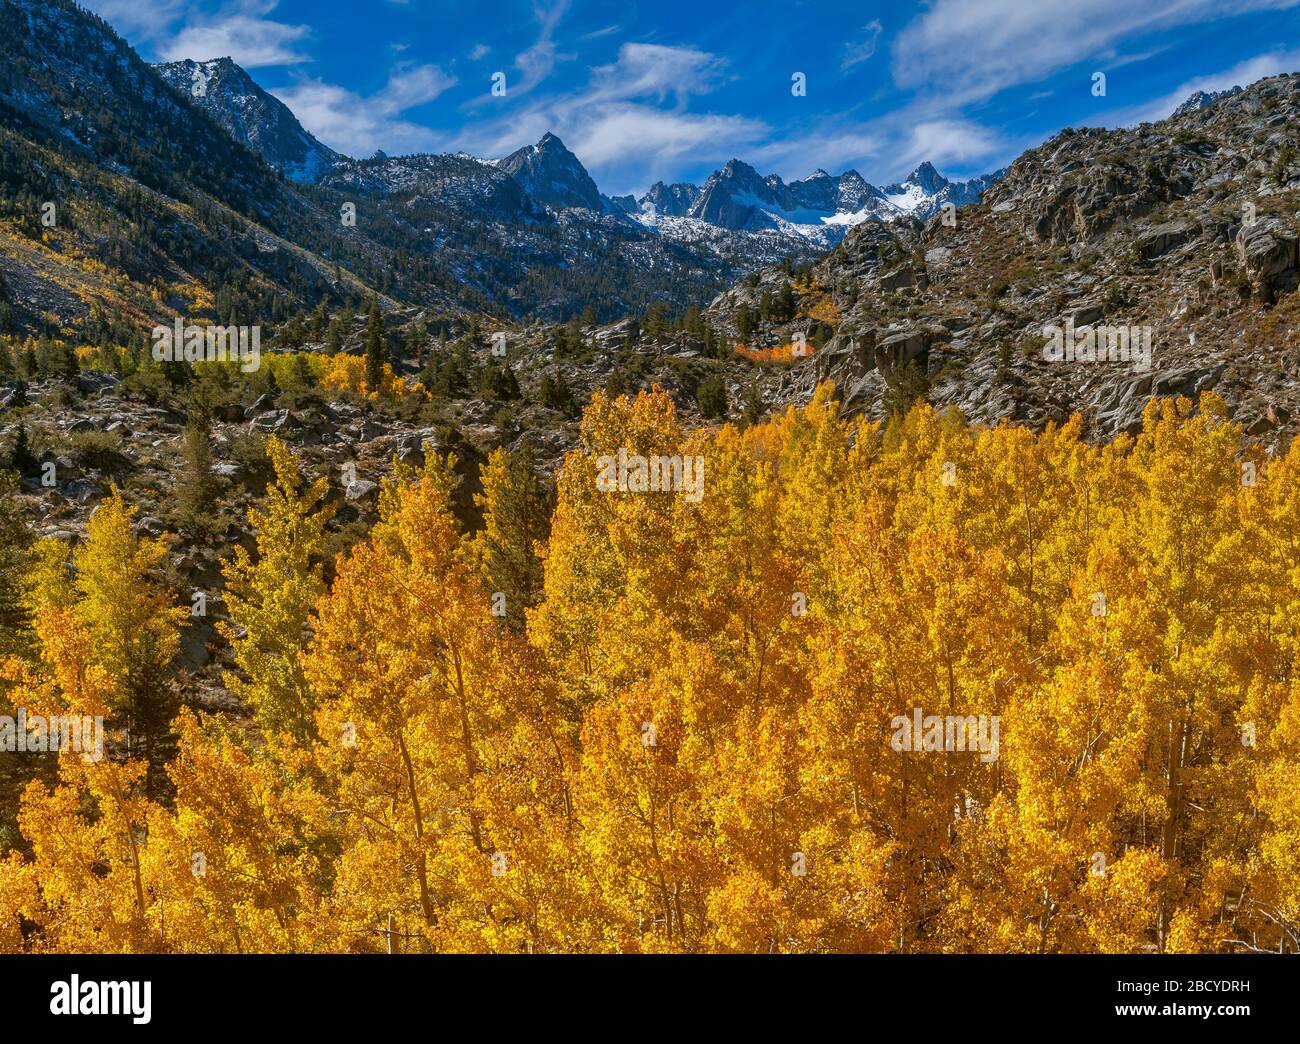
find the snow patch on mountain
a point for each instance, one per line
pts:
(252, 116)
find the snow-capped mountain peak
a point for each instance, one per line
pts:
(819, 207)
(249, 114)
(1200, 99)
(553, 175)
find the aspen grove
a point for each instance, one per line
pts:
(641, 721)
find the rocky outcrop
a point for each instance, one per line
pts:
(1267, 250)
(1170, 250)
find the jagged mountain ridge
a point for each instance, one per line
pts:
(1185, 231)
(1200, 99)
(552, 175)
(815, 210)
(252, 116)
(738, 197)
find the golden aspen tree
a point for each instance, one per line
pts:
(270, 599)
(134, 624)
(609, 572)
(88, 834)
(404, 666)
(1189, 460)
(18, 901)
(534, 891)
(924, 686)
(644, 834)
(1260, 894)
(240, 865)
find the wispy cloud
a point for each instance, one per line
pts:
(241, 31)
(358, 125)
(1242, 74)
(536, 63)
(630, 124)
(834, 149)
(864, 46)
(976, 48)
(136, 20)
(946, 141)
(655, 71)
(658, 140)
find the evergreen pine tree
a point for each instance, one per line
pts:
(376, 347)
(197, 494)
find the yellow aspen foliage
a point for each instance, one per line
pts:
(345, 372)
(403, 665)
(820, 685)
(87, 835)
(133, 623)
(271, 599)
(18, 901)
(238, 867)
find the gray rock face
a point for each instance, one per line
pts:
(1268, 252)
(1165, 237)
(252, 116)
(361, 490)
(897, 349)
(551, 174)
(673, 200)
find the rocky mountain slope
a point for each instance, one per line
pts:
(1182, 234)
(251, 116)
(140, 204)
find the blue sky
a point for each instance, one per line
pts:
(673, 89)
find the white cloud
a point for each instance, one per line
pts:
(616, 124)
(137, 21)
(860, 50)
(945, 141)
(411, 86)
(241, 31)
(357, 125)
(654, 138)
(826, 146)
(479, 51)
(655, 71)
(1240, 75)
(975, 48)
(538, 60)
